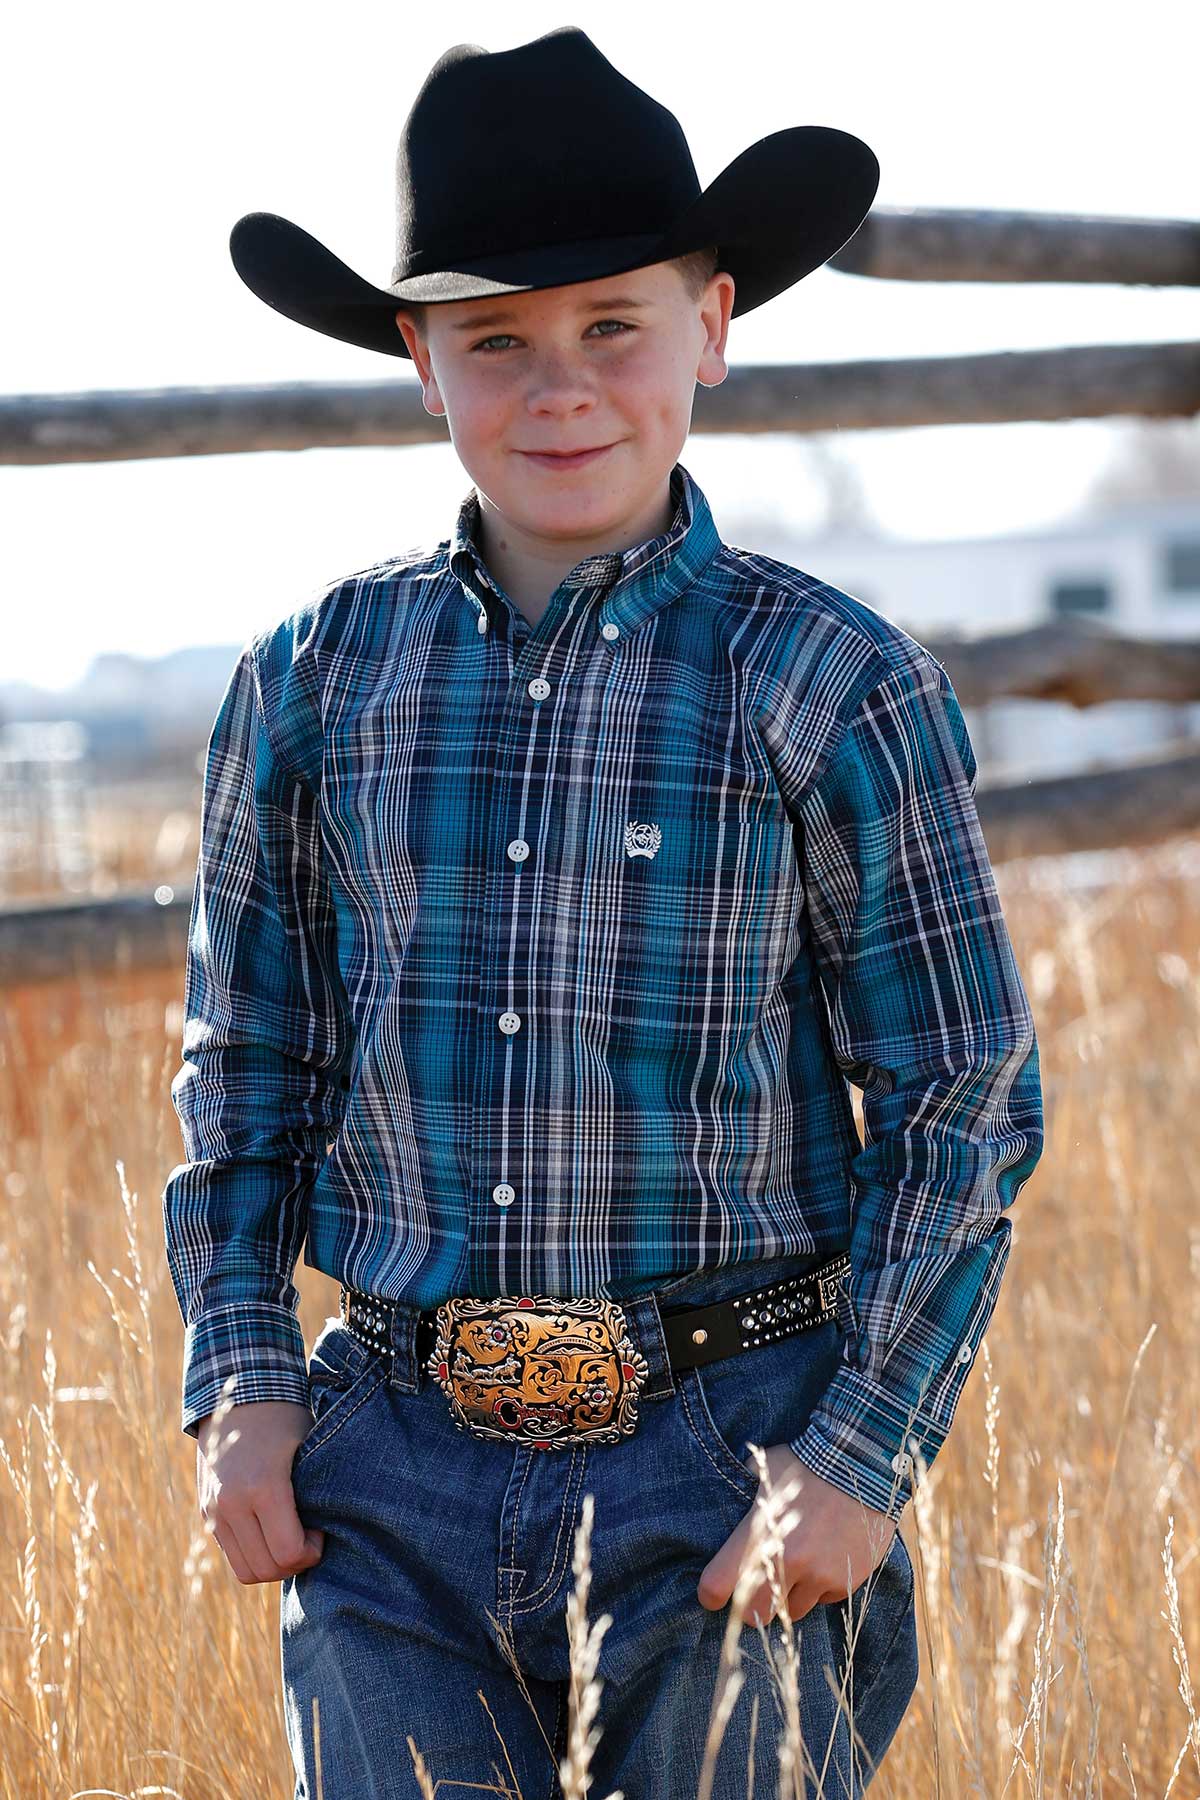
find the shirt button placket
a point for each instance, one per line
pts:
(518, 851)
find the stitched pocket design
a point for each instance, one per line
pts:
(696, 1410)
(761, 1396)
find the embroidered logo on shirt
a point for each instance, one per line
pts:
(641, 840)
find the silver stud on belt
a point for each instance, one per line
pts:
(368, 1321)
(773, 1311)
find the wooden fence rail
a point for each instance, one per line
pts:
(1091, 381)
(900, 243)
(1076, 660)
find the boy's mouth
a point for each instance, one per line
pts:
(575, 461)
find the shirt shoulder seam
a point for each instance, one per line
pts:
(854, 716)
(256, 644)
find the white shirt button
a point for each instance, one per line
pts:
(902, 1463)
(518, 850)
(503, 1195)
(481, 623)
(965, 1353)
(610, 631)
(509, 1022)
(538, 688)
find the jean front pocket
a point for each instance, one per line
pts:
(718, 1449)
(761, 1396)
(342, 1374)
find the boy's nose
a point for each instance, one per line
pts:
(561, 396)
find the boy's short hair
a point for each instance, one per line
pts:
(696, 270)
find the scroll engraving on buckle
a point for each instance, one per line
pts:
(538, 1370)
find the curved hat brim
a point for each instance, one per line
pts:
(780, 209)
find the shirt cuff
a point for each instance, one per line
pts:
(861, 1440)
(260, 1342)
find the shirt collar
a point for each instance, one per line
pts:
(629, 584)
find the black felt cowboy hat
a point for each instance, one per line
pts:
(543, 165)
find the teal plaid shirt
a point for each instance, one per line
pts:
(538, 960)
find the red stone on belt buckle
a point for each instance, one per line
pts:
(537, 1370)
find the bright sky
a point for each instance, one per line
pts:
(134, 135)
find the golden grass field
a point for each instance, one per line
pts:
(1055, 1538)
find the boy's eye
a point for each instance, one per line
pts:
(504, 336)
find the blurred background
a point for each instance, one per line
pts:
(1052, 562)
(135, 135)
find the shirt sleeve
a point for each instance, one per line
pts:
(928, 1016)
(265, 1038)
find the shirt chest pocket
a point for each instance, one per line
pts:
(699, 915)
(708, 856)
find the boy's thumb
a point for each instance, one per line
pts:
(314, 1542)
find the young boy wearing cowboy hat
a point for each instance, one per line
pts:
(554, 881)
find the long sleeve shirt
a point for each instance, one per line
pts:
(536, 959)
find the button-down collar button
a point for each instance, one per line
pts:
(518, 849)
(538, 688)
(503, 1194)
(902, 1463)
(965, 1353)
(609, 630)
(509, 1022)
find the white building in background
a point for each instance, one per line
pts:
(1135, 569)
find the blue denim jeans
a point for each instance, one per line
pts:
(433, 1537)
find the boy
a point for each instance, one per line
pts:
(553, 884)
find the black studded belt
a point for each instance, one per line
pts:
(536, 1369)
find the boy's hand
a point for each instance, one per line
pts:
(245, 1489)
(833, 1530)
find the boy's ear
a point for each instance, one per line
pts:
(716, 311)
(418, 350)
(407, 327)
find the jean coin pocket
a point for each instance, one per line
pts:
(341, 1371)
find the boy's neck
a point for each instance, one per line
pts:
(529, 568)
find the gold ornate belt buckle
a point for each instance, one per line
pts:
(538, 1370)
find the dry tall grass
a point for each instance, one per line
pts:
(1055, 1539)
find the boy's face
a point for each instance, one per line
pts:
(608, 365)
